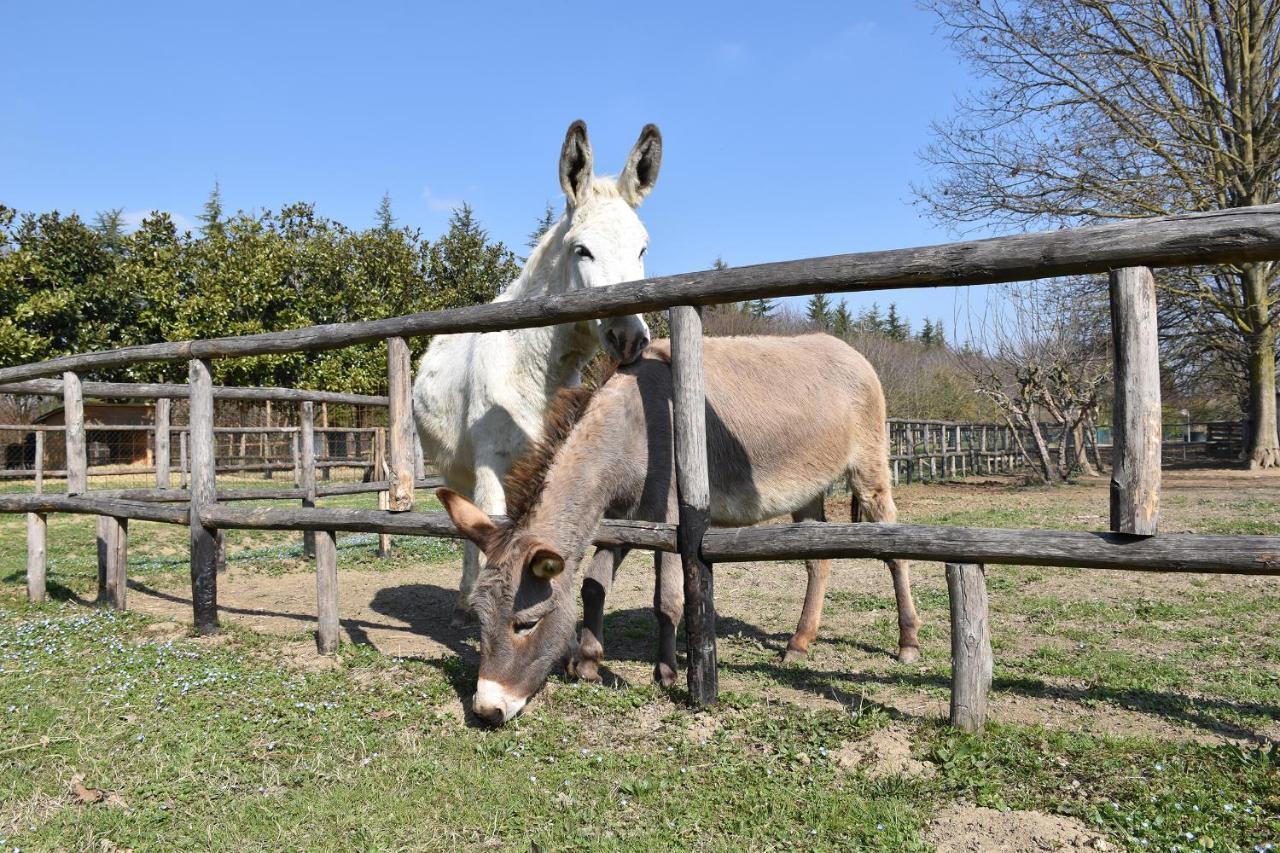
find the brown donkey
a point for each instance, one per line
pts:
(786, 417)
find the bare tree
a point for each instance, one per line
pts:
(1113, 109)
(1037, 353)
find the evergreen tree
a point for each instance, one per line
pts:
(465, 268)
(939, 335)
(842, 320)
(894, 326)
(211, 217)
(926, 332)
(870, 320)
(818, 310)
(545, 224)
(110, 224)
(761, 308)
(385, 220)
(719, 264)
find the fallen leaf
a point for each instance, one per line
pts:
(83, 794)
(381, 715)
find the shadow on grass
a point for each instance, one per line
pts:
(630, 636)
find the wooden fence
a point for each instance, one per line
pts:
(1125, 250)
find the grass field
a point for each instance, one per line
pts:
(1129, 710)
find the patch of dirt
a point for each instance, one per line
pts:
(702, 728)
(886, 753)
(969, 829)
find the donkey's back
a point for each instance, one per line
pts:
(786, 417)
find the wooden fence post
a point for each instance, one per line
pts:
(1136, 417)
(694, 496)
(380, 472)
(184, 468)
(326, 546)
(73, 417)
(307, 417)
(266, 445)
(37, 533)
(296, 455)
(324, 443)
(162, 443)
(204, 545)
(970, 645)
(400, 424)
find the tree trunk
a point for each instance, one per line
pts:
(1264, 446)
(1042, 449)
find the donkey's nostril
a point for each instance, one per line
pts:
(615, 343)
(492, 715)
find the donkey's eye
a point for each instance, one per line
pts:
(523, 629)
(583, 252)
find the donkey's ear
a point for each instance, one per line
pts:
(641, 171)
(473, 522)
(575, 163)
(544, 561)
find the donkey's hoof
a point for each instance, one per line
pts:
(461, 618)
(794, 655)
(908, 654)
(665, 675)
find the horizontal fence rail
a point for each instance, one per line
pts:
(158, 391)
(1216, 237)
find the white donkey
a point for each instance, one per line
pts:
(480, 398)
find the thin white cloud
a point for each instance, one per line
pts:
(439, 203)
(133, 220)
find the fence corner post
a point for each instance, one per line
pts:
(971, 659)
(1136, 415)
(694, 497)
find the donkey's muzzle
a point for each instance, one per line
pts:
(625, 348)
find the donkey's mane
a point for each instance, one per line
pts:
(524, 482)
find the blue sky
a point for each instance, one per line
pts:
(791, 130)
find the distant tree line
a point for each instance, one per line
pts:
(922, 376)
(67, 286)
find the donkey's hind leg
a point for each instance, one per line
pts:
(819, 572)
(585, 663)
(668, 607)
(873, 500)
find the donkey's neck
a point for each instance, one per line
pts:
(587, 475)
(551, 357)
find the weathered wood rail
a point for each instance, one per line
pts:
(1124, 250)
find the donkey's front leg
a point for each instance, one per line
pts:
(668, 606)
(585, 663)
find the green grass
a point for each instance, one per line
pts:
(224, 743)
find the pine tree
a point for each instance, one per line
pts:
(545, 224)
(110, 224)
(819, 310)
(870, 321)
(894, 326)
(926, 332)
(719, 264)
(842, 320)
(761, 308)
(939, 336)
(385, 220)
(211, 217)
